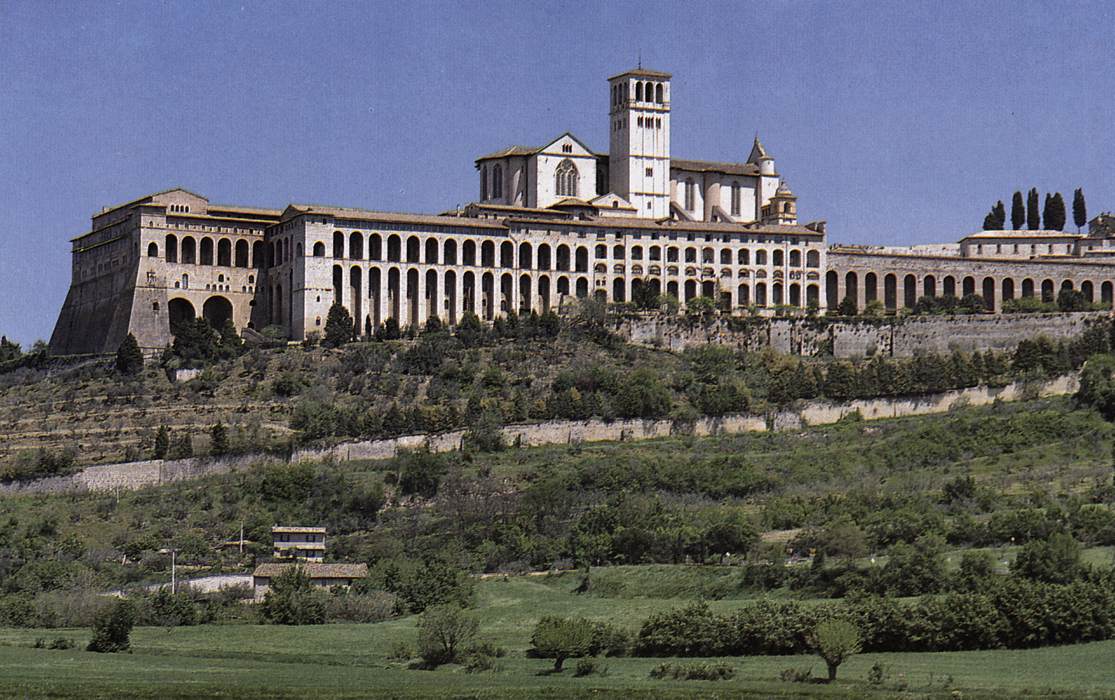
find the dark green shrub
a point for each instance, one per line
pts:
(112, 628)
(292, 600)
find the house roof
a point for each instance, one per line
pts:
(711, 166)
(534, 150)
(295, 528)
(147, 198)
(313, 570)
(294, 210)
(1040, 235)
(641, 72)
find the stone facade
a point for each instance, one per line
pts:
(553, 224)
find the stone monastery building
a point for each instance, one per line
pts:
(551, 223)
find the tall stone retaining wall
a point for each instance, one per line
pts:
(890, 337)
(135, 475)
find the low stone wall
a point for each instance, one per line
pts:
(890, 337)
(135, 475)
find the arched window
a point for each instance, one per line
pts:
(812, 259)
(658, 94)
(566, 179)
(319, 250)
(735, 199)
(171, 249)
(241, 253)
(497, 182)
(338, 244)
(690, 195)
(483, 183)
(152, 250)
(638, 92)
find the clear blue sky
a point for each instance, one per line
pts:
(898, 122)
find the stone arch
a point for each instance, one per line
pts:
(1027, 287)
(449, 253)
(989, 293)
(170, 247)
(1106, 290)
(433, 298)
(812, 296)
(601, 251)
(969, 286)
(487, 254)
(761, 294)
(356, 283)
(375, 296)
(1066, 284)
(356, 247)
(618, 252)
(412, 292)
(178, 311)
(431, 251)
(870, 287)
(394, 293)
(338, 245)
(189, 250)
(1047, 290)
(690, 291)
(1008, 289)
(216, 310)
(890, 292)
(929, 286)
(1088, 290)
(618, 291)
(760, 257)
(581, 259)
(394, 250)
(544, 256)
(544, 293)
(795, 294)
(725, 256)
(451, 296)
(488, 295)
(563, 258)
(205, 256)
(468, 253)
(524, 294)
(414, 246)
(338, 285)
(831, 289)
(909, 291)
(506, 292)
(795, 257)
(812, 259)
(468, 289)
(851, 288)
(744, 256)
(778, 257)
(563, 286)
(525, 256)
(375, 248)
(743, 295)
(259, 259)
(152, 250)
(507, 257)
(241, 253)
(319, 250)
(948, 286)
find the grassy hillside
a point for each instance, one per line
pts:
(355, 661)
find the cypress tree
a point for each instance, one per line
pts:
(129, 359)
(218, 436)
(1033, 216)
(338, 327)
(1079, 209)
(1017, 212)
(989, 222)
(162, 442)
(1000, 214)
(1055, 220)
(1046, 212)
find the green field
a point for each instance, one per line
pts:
(352, 661)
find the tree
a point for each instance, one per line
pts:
(442, 631)
(1017, 212)
(1053, 213)
(292, 600)
(218, 440)
(162, 443)
(1079, 209)
(1097, 385)
(643, 395)
(1000, 212)
(338, 327)
(645, 296)
(112, 627)
(231, 342)
(1033, 216)
(560, 639)
(129, 358)
(835, 641)
(195, 341)
(700, 306)
(1071, 300)
(1055, 560)
(847, 306)
(996, 218)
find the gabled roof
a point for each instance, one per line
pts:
(511, 151)
(604, 202)
(148, 198)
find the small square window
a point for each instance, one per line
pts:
(650, 172)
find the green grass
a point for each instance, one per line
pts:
(329, 661)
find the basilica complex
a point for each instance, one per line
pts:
(551, 224)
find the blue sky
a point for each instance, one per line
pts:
(898, 122)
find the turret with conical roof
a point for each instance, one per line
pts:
(761, 158)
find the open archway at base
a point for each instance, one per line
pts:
(179, 310)
(216, 311)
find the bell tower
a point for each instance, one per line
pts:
(639, 153)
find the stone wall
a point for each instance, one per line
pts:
(135, 475)
(890, 337)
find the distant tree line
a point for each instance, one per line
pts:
(1051, 216)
